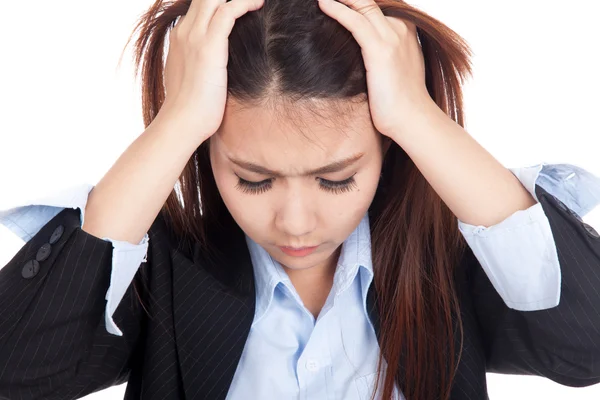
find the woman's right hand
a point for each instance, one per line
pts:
(196, 66)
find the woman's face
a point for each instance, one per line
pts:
(262, 163)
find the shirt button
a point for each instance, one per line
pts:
(312, 364)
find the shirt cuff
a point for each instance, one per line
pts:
(126, 260)
(28, 217)
(519, 254)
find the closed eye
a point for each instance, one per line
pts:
(335, 187)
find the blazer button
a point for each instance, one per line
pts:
(44, 252)
(590, 230)
(57, 234)
(30, 269)
(573, 213)
(561, 204)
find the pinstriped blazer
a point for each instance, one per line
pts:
(187, 338)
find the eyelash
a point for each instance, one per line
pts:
(335, 187)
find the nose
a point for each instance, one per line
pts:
(296, 216)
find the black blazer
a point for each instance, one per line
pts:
(54, 344)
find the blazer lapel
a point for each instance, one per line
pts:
(213, 309)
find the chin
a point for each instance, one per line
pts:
(298, 262)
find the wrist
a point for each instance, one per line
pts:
(418, 114)
(176, 125)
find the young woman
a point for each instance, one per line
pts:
(304, 217)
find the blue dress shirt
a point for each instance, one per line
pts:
(289, 354)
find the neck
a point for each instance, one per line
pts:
(314, 284)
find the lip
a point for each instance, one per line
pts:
(298, 251)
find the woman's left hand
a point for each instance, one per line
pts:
(393, 59)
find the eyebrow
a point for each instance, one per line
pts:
(329, 168)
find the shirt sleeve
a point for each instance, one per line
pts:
(26, 219)
(519, 254)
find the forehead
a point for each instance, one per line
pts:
(294, 137)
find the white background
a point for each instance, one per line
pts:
(67, 112)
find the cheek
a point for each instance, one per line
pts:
(345, 211)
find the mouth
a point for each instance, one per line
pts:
(297, 251)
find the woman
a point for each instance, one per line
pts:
(310, 248)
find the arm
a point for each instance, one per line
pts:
(519, 254)
(52, 342)
(128, 198)
(53, 338)
(560, 343)
(26, 220)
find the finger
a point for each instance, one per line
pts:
(360, 27)
(224, 18)
(411, 30)
(201, 12)
(371, 11)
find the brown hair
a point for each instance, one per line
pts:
(415, 239)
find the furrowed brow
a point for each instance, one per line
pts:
(335, 166)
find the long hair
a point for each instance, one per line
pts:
(416, 244)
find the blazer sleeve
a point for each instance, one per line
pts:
(561, 343)
(53, 338)
(29, 215)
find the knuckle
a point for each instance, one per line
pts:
(188, 38)
(402, 27)
(399, 26)
(181, 39)
(224, 10)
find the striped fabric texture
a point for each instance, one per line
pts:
(186, 338)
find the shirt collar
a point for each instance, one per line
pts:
(355, 253)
